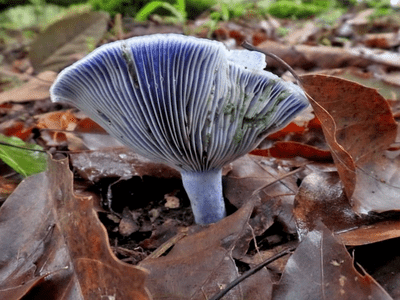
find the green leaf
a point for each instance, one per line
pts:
(25, 162)
(181, 5)
(24, 16)
(147, 10)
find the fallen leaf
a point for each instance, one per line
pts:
(321, 268)
(58, 46)
(302, 33)
(382, 40)
(359, 126)
(321, 198)
(7, 186)
(128, 223)
(37, 88)
(276, 266)
(57, 120)
(251, 174)
(387, 84)
(294, 149)
(16, 128)
(52, 245)
(379, 231)
(88, 125)
(117, 162)
(162, 234)
(205, 259)
(378, 184)
(324, 57)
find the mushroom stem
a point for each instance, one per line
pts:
(205, 193)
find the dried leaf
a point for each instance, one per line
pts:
(268, 179)
(301, 34)
(321, 198)
(37, 88)
(324, 57)
(294, 149)
(205, 259)
(388, 84)
(58, 45)
(373, 233)
(117, 162)
(250, 174)
(382, 40)
(321, 268)
(16, 128)
(359, 126)
(52, 245)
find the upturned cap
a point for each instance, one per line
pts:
(187, 102)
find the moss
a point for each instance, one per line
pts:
(238, 135)
(207, 140)
(127, 56)
(282, 96)
(287, 9)
(229, 109)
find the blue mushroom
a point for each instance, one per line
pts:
(187, 102)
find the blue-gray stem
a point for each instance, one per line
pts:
(205, 193)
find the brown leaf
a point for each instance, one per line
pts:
(321, 198)
(378, 184)
(52, 245)
(324, 57)
(58, 46)
(200, 264)
(37, 88)
(117, 162)
(16, 128)
(302, 33)
(359, 126)
(321, 268)
(388, 84)
(373, 233)
(268, 179)
(88, 125)
(294, 149)
(251, 173)
(57, 120)
(276, 266)
(381, 40)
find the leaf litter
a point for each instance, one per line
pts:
(64, 249)
(328, 182)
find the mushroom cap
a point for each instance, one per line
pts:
(187, 102)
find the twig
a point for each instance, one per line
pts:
(251, 272)
(279, 179)
(250, 47)
(168, 244)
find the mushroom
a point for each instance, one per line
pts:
(187, 102)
